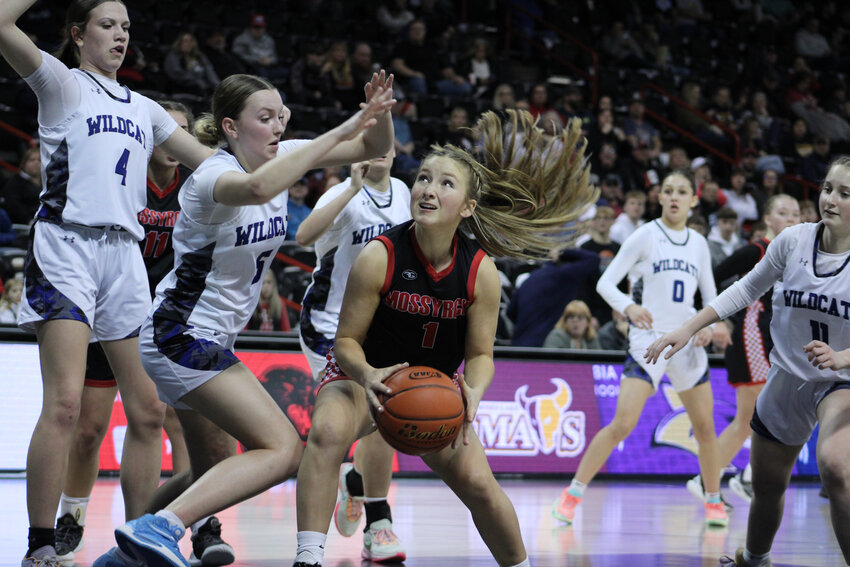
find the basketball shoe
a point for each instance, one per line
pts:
(208, 549)
(715, 515)
(696, 488)
(69, 538)
(380, 544)
(44, 556)
(349, 509)
(152, 540)
(116, 558)
(739, 560)
(564, 507)
(741, 487)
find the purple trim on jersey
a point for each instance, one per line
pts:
(316, 297)
(388, 276)
(178, 346)
(56, 175)
(45, 299)
(434, 274)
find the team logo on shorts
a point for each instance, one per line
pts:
(409, 275)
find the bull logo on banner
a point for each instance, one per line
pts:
(531, 425)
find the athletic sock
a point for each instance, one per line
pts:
(577, 488)
(377, 510)
(712, 497)
(754, 560)
(311, 547)
(39, 537)
(525, 563)
(747, 475)
(74, 506)
(354, 483)
(172, 518)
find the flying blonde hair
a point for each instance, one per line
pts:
(530, 189)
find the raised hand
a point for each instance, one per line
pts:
(358, 172)
(379, 81)
(381, 101)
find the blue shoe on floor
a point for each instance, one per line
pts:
(116, 558)
(152, 540)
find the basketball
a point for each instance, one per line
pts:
(423, 414)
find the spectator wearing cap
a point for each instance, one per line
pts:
(701, 169)
(637, 128)
(631, 218)
(257, 49)
(611, 192)
(297, 208)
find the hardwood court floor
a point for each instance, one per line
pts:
(620, 524)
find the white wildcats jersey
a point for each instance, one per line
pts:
(665, 268)
(365, 216)
(814, 304)
(219, 267)
(94, 163)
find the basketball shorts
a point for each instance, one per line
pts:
(179, 358)
(786, 410)
(98, 372)
(92, 275)
(747, 358)
(686, 369)
(317, 360)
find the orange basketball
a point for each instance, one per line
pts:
(423, 414)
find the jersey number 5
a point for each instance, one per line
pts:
(820, 331)
(261, 261)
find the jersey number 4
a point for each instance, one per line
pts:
(820, 331)
(121, 166)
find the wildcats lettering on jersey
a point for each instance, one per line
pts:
(669, 264)
(368, 233)
(150, 217)
(104, 123)
(259, 231)
(816, 302)
(426, 305)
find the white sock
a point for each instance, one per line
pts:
(197, 525)
(74, 506)
(367, 499)
(577, 488)
(754, 560)
(712, 497)
(311, 547)
(525, 563)
(747, 475)
(172, 518)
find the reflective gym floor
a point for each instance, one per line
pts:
(629, 524)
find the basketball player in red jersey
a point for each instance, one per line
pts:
(394, 313)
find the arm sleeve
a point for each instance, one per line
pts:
(752, 286)
(631, 252)
(56, 89)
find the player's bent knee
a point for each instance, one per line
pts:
(834, 469)
(62, 412)
(147, 418)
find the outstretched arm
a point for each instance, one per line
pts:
(15, 46)
(321, 219)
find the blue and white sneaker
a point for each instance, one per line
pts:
(116, 558)
(152, 540)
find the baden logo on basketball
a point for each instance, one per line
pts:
(411, 431)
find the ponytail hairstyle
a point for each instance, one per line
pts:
(76, 16)
(228, 101)
(530, 190)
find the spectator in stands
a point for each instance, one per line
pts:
(808, 211)
(741, 197)
(620, 47)
(769, 183)
(538, 99)
(768, 126)
(8, 236)
(815, 165)
(20, 193)
(711, 200)
(258, 50)
(135, 71)
(362, 66)
(476, 66)
(614, 335)
(297, 208)
(571, 105)
(695, 124)
(536, 305)
(759, 230)
(747, 165)
(701, 168)
(803, 103)
(309, 81)
(551, 123)
(406, 162)
(457, 130)
(698, 222)
(631, 218)
(678, 159)
(598, 240)
(504, 97)
(723, 238)
(642, 170)
(796, 143)
(637, 128)
(421, 68)
(721, 107)
(187, 68)
(270, 313)
(393, 16)
(573, 330)
(611, 192)
(10, 302)
(809, 42)
(605, 130)
(224, 63)
(605, 163)
(338, 67)
(653, 206)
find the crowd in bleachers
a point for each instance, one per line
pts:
(748, 95)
